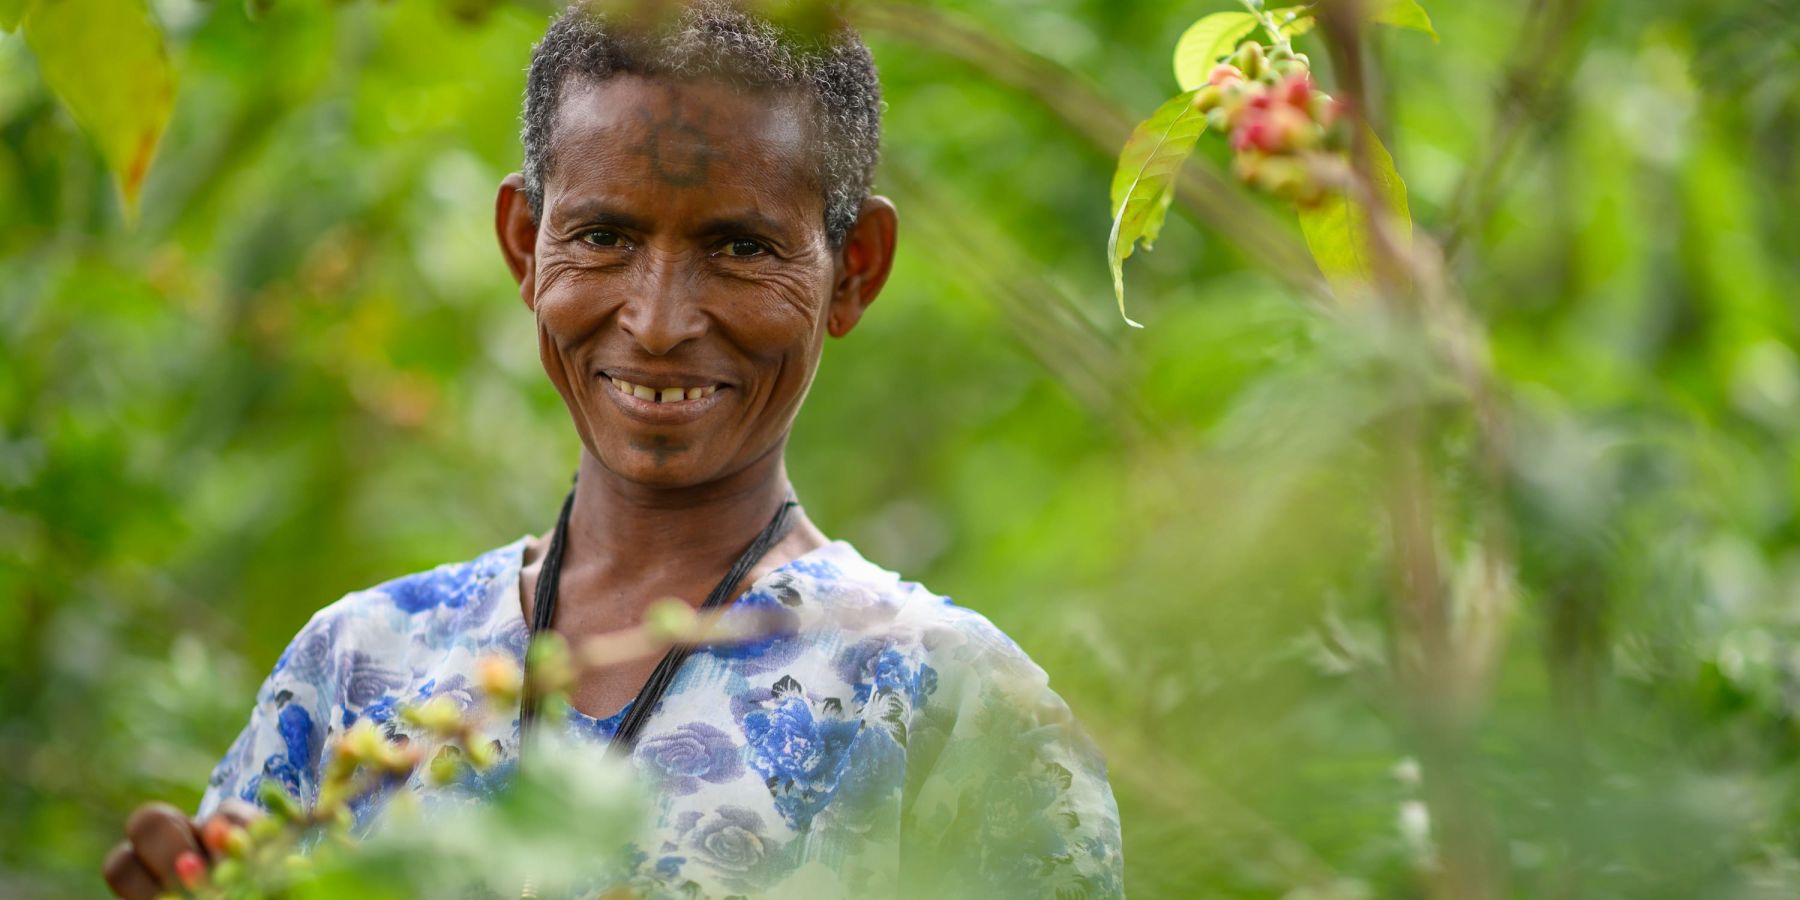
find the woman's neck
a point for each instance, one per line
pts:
(623, 532)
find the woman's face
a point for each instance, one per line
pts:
(680, 274)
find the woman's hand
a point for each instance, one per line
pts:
(164, 851)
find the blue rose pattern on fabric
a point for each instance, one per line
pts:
(799, 755)
(680, 759)
(781, 765)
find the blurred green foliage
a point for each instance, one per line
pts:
(305, 370)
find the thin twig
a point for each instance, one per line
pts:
(1541, 65)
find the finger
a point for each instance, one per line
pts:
(127, 875)
(239, 812)
(159, 833)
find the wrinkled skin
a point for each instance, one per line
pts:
(682, 242)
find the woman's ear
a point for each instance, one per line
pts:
(517, 231)
(863, 264)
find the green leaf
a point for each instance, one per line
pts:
(1300, 23)
(12, 12)
(1401, 14)
(1205, 41)
(1144, 184)
(1337, 230)
(106, 61)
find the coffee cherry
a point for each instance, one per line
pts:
(1223, 74)
(549, 665)
(222, 838)
(446, 766)
(190, 870)
(1293, 130)
(1325, 110)
(1208, 98)
(1246, 164)
(482, 756)
(1277, 120)
(277, 801)
(226, 872)
(267, 828)
(440, 715)
(500, 679)
(1249, 58)
(1265, 131)
(1296, 91)
(1281, 176)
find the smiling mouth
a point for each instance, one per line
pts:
(663, 395)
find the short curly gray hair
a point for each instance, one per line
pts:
(717, 39)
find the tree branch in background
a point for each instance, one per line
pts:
(1542, 62)
(1444, 672)
(1046, 318)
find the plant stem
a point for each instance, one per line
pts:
(1276, 37)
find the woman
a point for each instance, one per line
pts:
(693, 219)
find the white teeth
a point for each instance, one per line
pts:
(665, 395)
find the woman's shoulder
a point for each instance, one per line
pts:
(422, 609)
(856, 595)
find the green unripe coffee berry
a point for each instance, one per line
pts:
(446, 766)
(277, 800)
(1250, 60)
(1287, 68)
(440, 715)
(1208, 98)
(227, 872)
(482, 756)
(266, 829)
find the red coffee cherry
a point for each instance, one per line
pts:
(1223, 74)
(1293, 129)
(1296, 91)
(1256, 132)
(190, 869)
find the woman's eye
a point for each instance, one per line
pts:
(744, 247)
(603, 238)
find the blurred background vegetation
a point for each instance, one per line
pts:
(303, 370)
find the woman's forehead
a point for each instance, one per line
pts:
(683, 135)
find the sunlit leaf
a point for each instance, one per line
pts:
(1143, 186)
(11, 12)
(1300, 24)
(1205, 41)
(1337, 230)
(1402, 14)
(106, 61)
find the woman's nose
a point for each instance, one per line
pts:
(663, 311)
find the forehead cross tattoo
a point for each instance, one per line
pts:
(678, 151)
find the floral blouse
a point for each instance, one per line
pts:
(910, 748)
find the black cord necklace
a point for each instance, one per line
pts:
(543, 614)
